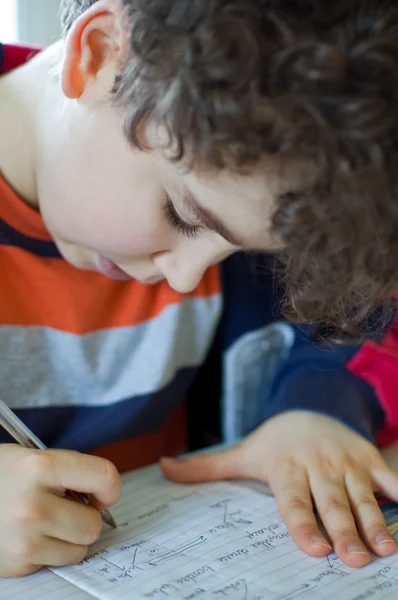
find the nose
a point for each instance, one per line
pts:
(182, 275)
(184, 270)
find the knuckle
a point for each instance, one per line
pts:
(366, 501)
(326, 466)
(335, 504)
(111, 475)
(29, 512)
(74, 457)
(289, 466)
(37, 463)
(374, 459)
(349, 463)
(345, 534)
(25, 549)
(298, 503)
(93, 529)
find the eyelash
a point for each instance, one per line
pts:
(174, 219)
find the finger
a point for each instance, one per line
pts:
(368, 516)
(385, 480)
(56, 553)
(294, 500)
(227, 464)
(71, 522)
(13, 569)
(334, 508)
(67, 470)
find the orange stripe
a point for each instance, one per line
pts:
(169, 440)
(19, 215)
(50, 292)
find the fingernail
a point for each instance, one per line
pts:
(384, 538)
(356, 548)
(320, 541)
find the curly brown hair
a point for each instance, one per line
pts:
(238, 80)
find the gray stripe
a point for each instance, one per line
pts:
(42, 367)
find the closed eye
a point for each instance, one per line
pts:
(175, 221)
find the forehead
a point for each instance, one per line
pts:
(242, 201)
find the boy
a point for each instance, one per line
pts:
(245, 127)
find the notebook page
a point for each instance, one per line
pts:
(40, 586)
(214, 541)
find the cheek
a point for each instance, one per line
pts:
(116, 225)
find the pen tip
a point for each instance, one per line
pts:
(108, 519)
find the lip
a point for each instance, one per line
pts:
(110, 269)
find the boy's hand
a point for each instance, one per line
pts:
(305, 456)
(38, 526)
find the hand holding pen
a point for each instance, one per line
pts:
(38, 525)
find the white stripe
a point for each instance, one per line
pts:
(41, 367)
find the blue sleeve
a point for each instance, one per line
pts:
(314, 376)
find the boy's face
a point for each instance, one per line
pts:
(125, 212)
(109, 206)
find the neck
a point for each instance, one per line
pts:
(25, 95)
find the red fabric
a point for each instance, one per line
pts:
(16, 55)
(378, 365)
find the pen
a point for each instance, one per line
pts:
(25, 437)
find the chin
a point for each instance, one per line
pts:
(75, 256)
(151, 280)
(81, 266)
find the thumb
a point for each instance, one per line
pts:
(226, 464)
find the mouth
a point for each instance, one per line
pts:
(110, 269)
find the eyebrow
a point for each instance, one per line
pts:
(211, 222)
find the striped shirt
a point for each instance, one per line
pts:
(91, 363)
(104, 366)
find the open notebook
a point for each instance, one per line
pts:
(210, 541)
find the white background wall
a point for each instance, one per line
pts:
(35, 21)
(8, 20)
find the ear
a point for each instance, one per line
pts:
(96, 45)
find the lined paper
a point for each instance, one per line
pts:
(43, 585)
(214, 541)
(204, 542)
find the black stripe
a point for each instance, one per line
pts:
(84, 428)
(12, 237)
(2, 54)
